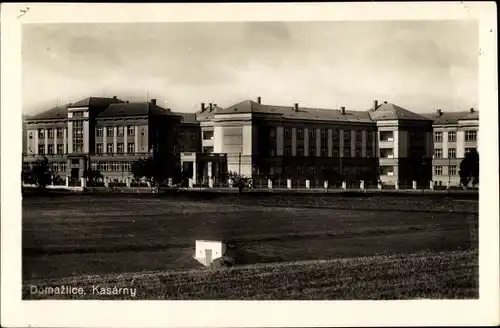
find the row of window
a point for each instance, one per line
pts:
(50, 133)
(452, 170)
(111, 166)
(452, 136)
(50, 150)
(54, 167)
(120, 131)
(452, 152)
(287, 151)
(324, 134)
(120, 148)
(311, 169)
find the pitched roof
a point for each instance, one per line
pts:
(207, 113)
(451, 117)
(95, 101)
(303, 113)
(388, 111)
(188, 118)
(133, 109)
(60, 112)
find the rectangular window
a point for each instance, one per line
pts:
(312, 169)
(272, 132)
(60, 133)
(77, 114)
(300, 134)
(120, 148)
(358, 152)
(208, 150)
(51, 149)
(468, 150)
(335, 152)
(453, 170)
(470, 135)
(300, 170)
(369, 135)
(358, 136)
(438, 170)
(287, 151)
(452, 136)
(347, 135)
(452, 153)
(335, 134)
(369, 152)
(110, 148)
(438, 153)
(131, 148)
(324, 134)
(312, 134)
(110, 131)
(208, 135)
(288, 133)
(99, 148)
(324, 152)
(438, 136)
(50, 133)
(77, 136)
(130, 130)
(60, 149)
(347, 151)
(300, 151)
(41, 134)
(98, 131)
(120, 131)
(312, 151)
(41, 149)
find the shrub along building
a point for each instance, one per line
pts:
(253, 139)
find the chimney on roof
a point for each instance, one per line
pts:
(210, 106)
(153, 101)
(439, 112)
(472, 110)
(375, 104)
(215, 105)
(342, 110)
(114, 97)
(296, 107)
(202, 107)
(258, 100)
(126, 102)
(385, 102)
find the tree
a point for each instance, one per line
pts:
(469, 169)
(92, 176)
(156, 169)
(239, 181)
(41, 173)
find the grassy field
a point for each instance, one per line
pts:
(76, 236)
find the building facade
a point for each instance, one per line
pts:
(257, 140)
(455, 134)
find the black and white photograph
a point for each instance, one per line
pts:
(249, 159)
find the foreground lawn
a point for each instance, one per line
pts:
(441, 275)
(83, 235)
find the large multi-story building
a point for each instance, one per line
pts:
(455, 134)
(254, 139)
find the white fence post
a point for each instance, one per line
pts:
(67, 181)
(431, 185)
(127, 181)
(210, 182)
(344, 185)
(396, 186)
(308, 184)
(379, 186)
(82, 182)
(230, 183)
(269, 184)
(414, 185)
(447, 184)
(191, 183)
(362, 185)
(289, 183)
(325, 184)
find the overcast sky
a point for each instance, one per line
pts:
(418, 65)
